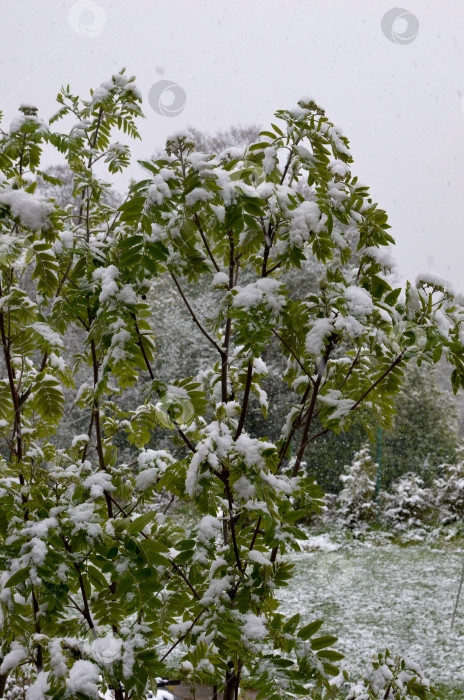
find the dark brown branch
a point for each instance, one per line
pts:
(361, 399)
(296, 426)
(35, 609)
(246, 395)
(152, 375)
(194, 317)
(287, 165)
(377, 382)
(205, 241)
(184, 577)
(273, 268)
(225, 479)
(182, 637)
(228, 329)
(255, 533)
(98, 429)
(293, 354)
(86, 610)
(142, 348)
(320, 373)
(352, 366)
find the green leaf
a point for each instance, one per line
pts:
(309, 630)
(47, 399)
(322, 642)
(96, 577)
(17, 578)
(392, 297)
(139, 523)
(46, 269)
(153, 552)
(291, 624)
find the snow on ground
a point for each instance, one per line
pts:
(321, 542)
(376, 596)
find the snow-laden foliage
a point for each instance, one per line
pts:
(398, 678)
(448, 490)
(356, 500)
(408, 503)
(97, 586)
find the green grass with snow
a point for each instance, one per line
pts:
(375, 594)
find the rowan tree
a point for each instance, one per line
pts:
(98, 586)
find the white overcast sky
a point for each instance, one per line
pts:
(400, 104)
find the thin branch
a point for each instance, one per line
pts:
(273, 268)
(184, 577)
(205, 241)
(361, 399)
(152, 375)
(98, 429)
(255, 534)
(377, 382)
(246, 395)
(293, 354)
(287, 165)
(312, 404)
(232, 523)
(228, 329)
(182, 637)
(296, 426)
(142, 348)
(194, 317)
(352, 366)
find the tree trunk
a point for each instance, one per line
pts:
(229, 688)
(119, 692)
(3, 678)
(232, 683)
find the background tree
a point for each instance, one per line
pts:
(424, 432)
(356, 500)
(408, 504)
(448, 489)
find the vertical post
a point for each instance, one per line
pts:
(379, 471)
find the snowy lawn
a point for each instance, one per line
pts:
(374, 595)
